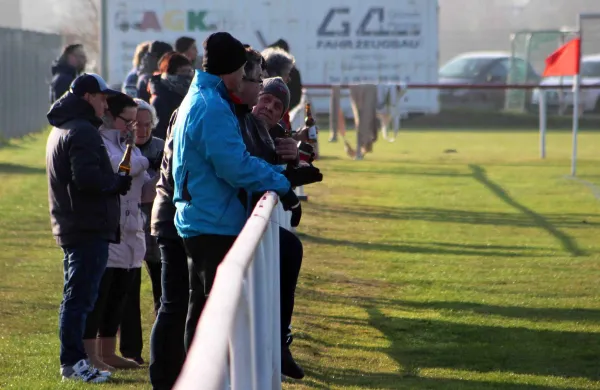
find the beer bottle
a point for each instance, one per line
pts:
(313, 131)
(125, 164)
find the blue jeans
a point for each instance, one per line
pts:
(167, 351)
(83, 267)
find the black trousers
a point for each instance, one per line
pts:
(131, 340)
(290, 262)
(167, 351)
(104, 320)
(204, 253)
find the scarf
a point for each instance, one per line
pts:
(177, 83)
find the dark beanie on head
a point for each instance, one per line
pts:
(223, 54)
(159, 48)
(276, 86)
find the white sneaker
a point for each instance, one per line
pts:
(82, 371)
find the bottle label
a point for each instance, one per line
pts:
(312, 133)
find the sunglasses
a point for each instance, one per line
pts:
(251, 80)
(128, 123)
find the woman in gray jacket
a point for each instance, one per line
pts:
(125, 257)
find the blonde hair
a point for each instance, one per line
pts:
(139, 53)
(145, 106)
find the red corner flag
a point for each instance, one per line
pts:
(564, 61)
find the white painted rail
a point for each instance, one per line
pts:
(237, 344)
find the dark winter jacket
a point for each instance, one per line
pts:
(163, 210)
(82, 186)
(165, 100)
(295, 87)
(63, 75)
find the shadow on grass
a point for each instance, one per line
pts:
(418, 343)
(423, 343)
(529, 313)
(568, 243)
(370, 380)
(17, 169)
(459, 216)
(432, 248)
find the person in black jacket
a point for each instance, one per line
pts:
(83, 193)
(167, 348)
(65, 69)
(149, 66)
(259, 143)
(169, 88)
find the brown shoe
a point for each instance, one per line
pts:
(108, 346)
(91, 349)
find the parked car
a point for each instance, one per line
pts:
(481, 68)
(590, 98)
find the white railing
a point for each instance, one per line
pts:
(237, 343)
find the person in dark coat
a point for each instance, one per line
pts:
(65, 69)
(169, 88)
(83, 193)
(280, 151)
(149, 66)
(167, 348)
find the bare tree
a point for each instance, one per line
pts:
(79, 22)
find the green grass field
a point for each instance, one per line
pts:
(423, 269)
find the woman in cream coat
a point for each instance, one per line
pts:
(125, 257)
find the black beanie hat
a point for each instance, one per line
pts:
(223, 54)
(276, 86)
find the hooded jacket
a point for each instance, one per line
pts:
(130, 251)
(82, 186)
(165, 100)
(211, 163)
(63, 75)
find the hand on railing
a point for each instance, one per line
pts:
(290, 202)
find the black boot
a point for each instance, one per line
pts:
(289, 367)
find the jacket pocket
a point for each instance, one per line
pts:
(130, 217)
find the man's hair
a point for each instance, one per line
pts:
(183, 44)
(253, 59)
(118, 103)
(170, 62)
(277, 60)
(70, 49)
(139, 53)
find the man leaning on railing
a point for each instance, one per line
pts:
(284, 150)
(211, 164)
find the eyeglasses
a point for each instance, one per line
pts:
(128, 122)
(251, 80)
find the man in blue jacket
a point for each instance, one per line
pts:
(210, 167)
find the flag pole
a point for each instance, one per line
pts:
(576, 96)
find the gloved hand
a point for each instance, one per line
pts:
(123, 184)
(306, 152)
(290, 202)
(303, 175)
